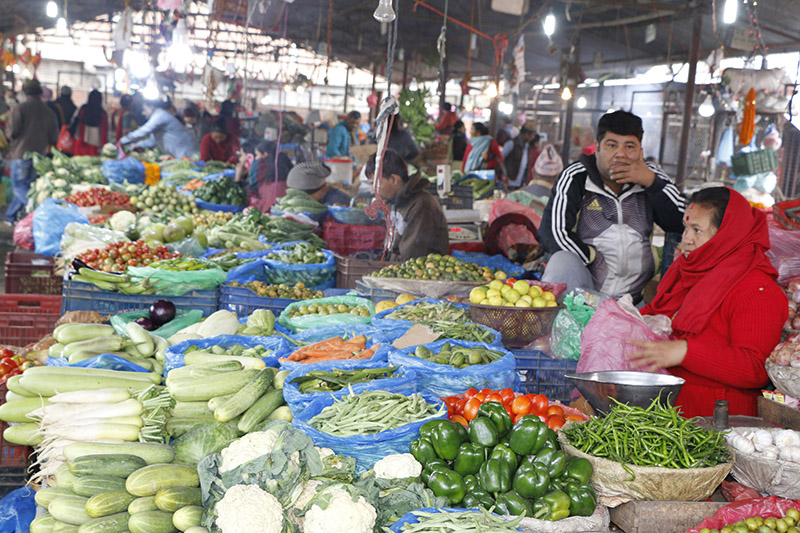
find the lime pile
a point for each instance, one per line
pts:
(512, 294)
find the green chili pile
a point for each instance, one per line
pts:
(339, 378)
(372, 412)
(446, 319)
(656, 436)
(461, 522)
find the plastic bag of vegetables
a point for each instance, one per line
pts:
(183, 319)
(320, 312)
(128, 169)
(288, 264)
(177, 283)
(275, 346)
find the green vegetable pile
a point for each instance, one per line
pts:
(183, 264)
(339, 378)
(297, 292)
(373, 412)
(328, 309)
(655, 436)
(260, 322)
(457, 356)
(302, 253)
(462, 522)
(446, 319)
(228, 260)
(236, 350)
(414, 112)
(223, 191)
(436, 267)
(297, 201)
(514, 468)
(244, 229)
(163, 198)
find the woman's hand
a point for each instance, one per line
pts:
(653, 356)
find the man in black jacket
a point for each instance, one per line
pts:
(600, 216)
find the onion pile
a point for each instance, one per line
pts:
(793, 293)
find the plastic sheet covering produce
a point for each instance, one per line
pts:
(17, 510)
(128, 169)
(50, 220)
(278, 345)
(177, 283)
(400, 382)
(367, 449)
(104, 361)
(446, 380)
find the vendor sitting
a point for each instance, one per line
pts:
(420, 227)
(310, 177)
(727, 311)
(218, 145)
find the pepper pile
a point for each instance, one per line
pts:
(100, 196)
(515, 468)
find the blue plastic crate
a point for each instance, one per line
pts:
(79, 296)
(243, 301)
(542, 374)
(375, 295)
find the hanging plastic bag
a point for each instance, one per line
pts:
(177, 283)
(446, 380)
(17, 510)
(565, 337)
(23, 233)
(605, 341)
(183, 319)
(278, 345)
(104, 361)
(400, 382)
(367, 449)
(301, 322)
(50, 220)
(784, 253)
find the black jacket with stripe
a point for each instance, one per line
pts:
(583, 213)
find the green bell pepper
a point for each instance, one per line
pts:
(532, 480)
(432, 466)
(552, 506)
(503, 452)
(483, 432)
(478, 498)
(448, 484)
(528, 435)
(427, 428)
(445, 438)
(512, 503)
(495, 476)
(582, 499)
(579, 469)
(497, 414)
(555, 460)
(471, 483)
(422, 450)
(469, 459)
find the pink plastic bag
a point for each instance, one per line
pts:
(23, 233)
(772, 507)
(604, 342)
(784, 253)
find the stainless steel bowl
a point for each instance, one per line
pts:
(637, 389)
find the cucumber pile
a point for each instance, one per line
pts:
(296, 201)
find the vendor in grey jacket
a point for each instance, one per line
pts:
(600, 216)
(171, 136)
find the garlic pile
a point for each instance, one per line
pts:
(787, 353)
(782, 444)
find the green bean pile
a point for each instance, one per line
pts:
(461, 522)
(372, 412)
(656, 436)
(447, 320)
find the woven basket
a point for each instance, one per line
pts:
(519, 325)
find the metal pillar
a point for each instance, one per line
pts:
(688, 101)
(443, 79)
(567, 130)
(346, 88)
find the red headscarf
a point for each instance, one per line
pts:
(695, 285)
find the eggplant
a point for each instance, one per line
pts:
(161, 312)
(146, 323)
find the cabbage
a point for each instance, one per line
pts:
(202, 440)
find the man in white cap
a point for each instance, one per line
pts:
(310, 177)
(548, 165)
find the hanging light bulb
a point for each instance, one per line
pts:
(52, 9)
(61, 24)
(550, 24)
(566, 94)
(300, 89)
(729, 12)
(491, 90)
(384, 11)
(581, 102)
(706, 109)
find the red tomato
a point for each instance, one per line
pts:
(521, 405)
(494, 397)
(459, 406)
(486, 392)
(471, 408)
(470, 393)
(507, 395)
(510, 282)
(480, 396)
(460, 419)
(555, 410)
(517, 417)
(540, 403)
(575, 418)
(555, 422)
(508, 410)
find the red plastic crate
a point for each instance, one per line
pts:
(26, 318)
(11, 455)
(347, 239)
(29, 273)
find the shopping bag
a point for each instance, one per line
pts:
(66, 143)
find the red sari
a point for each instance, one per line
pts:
(84, 148)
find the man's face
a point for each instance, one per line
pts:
(190, 120)
(527, 136)
(614, 147)
(352, 123)
(218, 137)
(390, 187)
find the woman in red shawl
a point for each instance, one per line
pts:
(727, 311)
(90, 126)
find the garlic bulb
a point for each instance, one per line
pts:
(787, 438)
(791, 453)
(762, 439)
(742, 444)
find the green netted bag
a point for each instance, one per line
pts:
(183, 319)
(176, 283)
(299, 323)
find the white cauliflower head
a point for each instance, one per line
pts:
(251, 446)
(397, 466)
(324, 452)
(249, 509)
(343, 515)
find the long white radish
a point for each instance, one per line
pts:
(67, 411)
(83, 372)
(126, 432)
(132, 420)
(92, 396)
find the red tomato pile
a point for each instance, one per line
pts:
(11, 364)
(117, 256)
(463, 408)
(100, 196)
